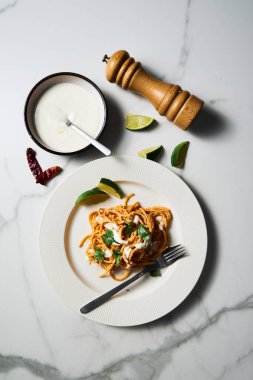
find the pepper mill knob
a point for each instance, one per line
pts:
(169, 100)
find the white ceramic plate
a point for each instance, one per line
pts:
(77, 282)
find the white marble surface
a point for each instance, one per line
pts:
(206, 46)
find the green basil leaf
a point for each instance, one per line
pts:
(155, 273)
(143, 232)
(99, 255)
(129, 228)
(117, 255)
(108, 238)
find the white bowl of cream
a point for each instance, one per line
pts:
(60, 97)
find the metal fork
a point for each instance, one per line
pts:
(167, 258)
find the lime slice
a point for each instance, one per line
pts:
(179, 154)
(151, 153)
(91, 196)
(138, 122)
(110, 188)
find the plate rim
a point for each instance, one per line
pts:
(205, 239)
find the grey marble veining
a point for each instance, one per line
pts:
(185, 48)
(5, 4)
(149, 364)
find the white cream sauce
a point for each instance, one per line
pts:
(118, 239)
(160, 221)
(61, 102)
(136, 219)
(114, 228)
(99, 219)
(111, 226)
(127, 251)
(108, 253)
(142, 245)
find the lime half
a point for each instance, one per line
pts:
(138, 122)
(110, 188)
(151, 153)
(91, 196)
(179, 154)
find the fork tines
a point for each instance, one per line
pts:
(177, 251)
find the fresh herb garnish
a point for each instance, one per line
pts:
(143, 232)
(99, 255)
(108, 238)
(155, 273)
(129, 228)
(117, 255)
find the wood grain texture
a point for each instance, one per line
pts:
(168, 99)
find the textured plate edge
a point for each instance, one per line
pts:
(146, 319)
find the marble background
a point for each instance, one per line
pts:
(206, 46)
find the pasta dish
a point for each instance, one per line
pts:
(126, 236)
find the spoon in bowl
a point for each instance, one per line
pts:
(88, 138)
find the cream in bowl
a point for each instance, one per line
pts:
(57, 99)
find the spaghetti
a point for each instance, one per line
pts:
(126, 236)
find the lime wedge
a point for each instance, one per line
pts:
(151, 153)
(137, 122)
(110, 188)
(179, 154)
(91, 196)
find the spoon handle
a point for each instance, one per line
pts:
(92, 141)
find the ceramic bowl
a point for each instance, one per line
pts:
(49, 81)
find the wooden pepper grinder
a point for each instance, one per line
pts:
(169, 100)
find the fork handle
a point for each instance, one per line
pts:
(104, 297)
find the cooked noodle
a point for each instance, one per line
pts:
(140, 235)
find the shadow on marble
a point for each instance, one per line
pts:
(206, 277)
(155, 74)
(114, 129)
(152, 127)
(112, 133)
(209, 123)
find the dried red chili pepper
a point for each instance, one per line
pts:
(40, 176)
(33, 163)
(48, 174)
